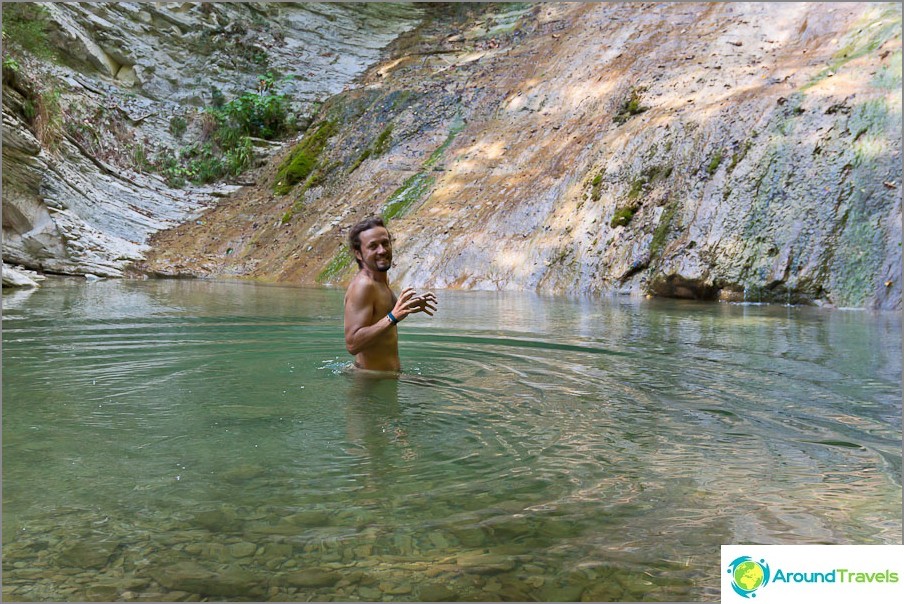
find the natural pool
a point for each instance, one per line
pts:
(168, 440)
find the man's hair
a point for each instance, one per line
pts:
(354, 235)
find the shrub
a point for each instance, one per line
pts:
(177, 126)
(225, 147)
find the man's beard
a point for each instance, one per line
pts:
(383, 268)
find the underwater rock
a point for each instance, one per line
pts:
(312, 577)
(436, 592)
(191, 577)
(90, 553)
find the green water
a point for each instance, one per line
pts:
(172, 440)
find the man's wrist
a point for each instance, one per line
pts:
(392, 318)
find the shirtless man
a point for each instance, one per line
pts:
(371, 309)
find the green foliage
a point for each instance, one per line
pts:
(202, 163)
(139, 157)
(10, 64)
(45, 116)
(25, 26)
(177, 126)
(217, 98)
(226, 148)
(259, 114)
(239, 157)
(630, 106)
(304, 158)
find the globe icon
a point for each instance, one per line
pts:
(748, 575)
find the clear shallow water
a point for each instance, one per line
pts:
(173, 439)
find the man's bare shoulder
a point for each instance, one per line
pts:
(362, 287)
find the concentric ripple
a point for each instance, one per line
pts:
(534, 447)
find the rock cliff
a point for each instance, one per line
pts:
(701, 150)
(97, 92)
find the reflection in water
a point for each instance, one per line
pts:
(178, 439)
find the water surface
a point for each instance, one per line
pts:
(180, 439)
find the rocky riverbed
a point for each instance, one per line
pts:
(270, 554)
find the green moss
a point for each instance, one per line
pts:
(881, 24)
(338, 265)
(458, 124)
(623, 216)
(177, 126)
(661, 233)
(596, 187)
(888, 77)
(630, 106)
(869, 120)
(348, 107)
(637, 186)
(739, 155)
(304, 158)
(403, 197)
(414, 188)
(714, 162)
(381, 145)
(648, 176)
(377, 148)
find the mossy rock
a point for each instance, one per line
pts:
(630, 107)
(623, 216)
(304, 158)
(338, 265)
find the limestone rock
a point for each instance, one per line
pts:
(16, 278)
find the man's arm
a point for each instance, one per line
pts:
(360, 328)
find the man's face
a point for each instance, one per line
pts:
(376, 249)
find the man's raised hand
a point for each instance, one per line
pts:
(409, 303)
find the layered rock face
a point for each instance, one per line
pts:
(733, 151)
(79, 201)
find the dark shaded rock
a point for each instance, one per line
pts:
(312, 577)
(436, 592)
(191, 577)
(88, 554)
